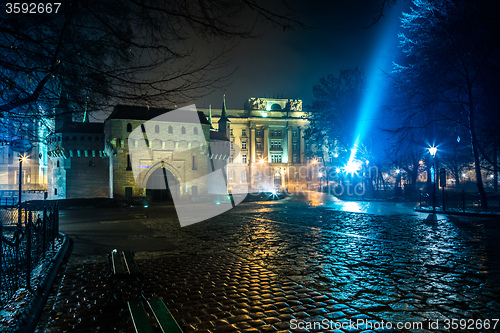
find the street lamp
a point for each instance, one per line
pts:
(433, 151)
(22, 158)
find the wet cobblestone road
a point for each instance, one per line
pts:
(262, 264)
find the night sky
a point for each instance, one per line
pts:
(288, 63)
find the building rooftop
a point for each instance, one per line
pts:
(133, 112)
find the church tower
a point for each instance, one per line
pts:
(224, 122)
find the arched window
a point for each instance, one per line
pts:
(183, 130)
(157, 129)
(129, 127)
(55, 191)
(58, 164)
(195, 130)
(170, 129)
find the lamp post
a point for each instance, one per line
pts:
(320, 175)
(22, 158)
(433, 151)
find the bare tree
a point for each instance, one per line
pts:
(450, 47)
(150, 52)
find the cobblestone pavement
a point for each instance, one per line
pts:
(262, 264)
(210, 292)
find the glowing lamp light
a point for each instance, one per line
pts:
(264, 114)
(433, 151)
(464, 175)
(352, 167)
(335, 155)
(262, 161)
(320, 174)
(314, 161)
(337, 170)
(398, 171)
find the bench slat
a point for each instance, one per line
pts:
(139, 317)
(163, 316)
(130, 262)
(118, 268)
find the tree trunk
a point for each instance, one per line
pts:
(475, 153)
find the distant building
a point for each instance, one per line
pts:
(34, 168)
(78, 165)
(264, 141)
(270, 134)
(167, 149)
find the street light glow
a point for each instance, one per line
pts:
(352, 167)
(320, 174)
(433, 151)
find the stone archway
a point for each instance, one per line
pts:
(162, 185)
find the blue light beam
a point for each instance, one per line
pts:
(376, 79)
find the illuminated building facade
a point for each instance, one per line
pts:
(267, 144)
(34, 167)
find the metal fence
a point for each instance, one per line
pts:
(458, 200)
(27, 234)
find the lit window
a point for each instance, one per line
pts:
(243, 158)
(276, 158)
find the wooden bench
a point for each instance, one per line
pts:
(162, 317)
(125, 276)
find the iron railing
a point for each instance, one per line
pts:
(459, 200)
(27, 234)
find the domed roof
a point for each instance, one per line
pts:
(275, 107)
